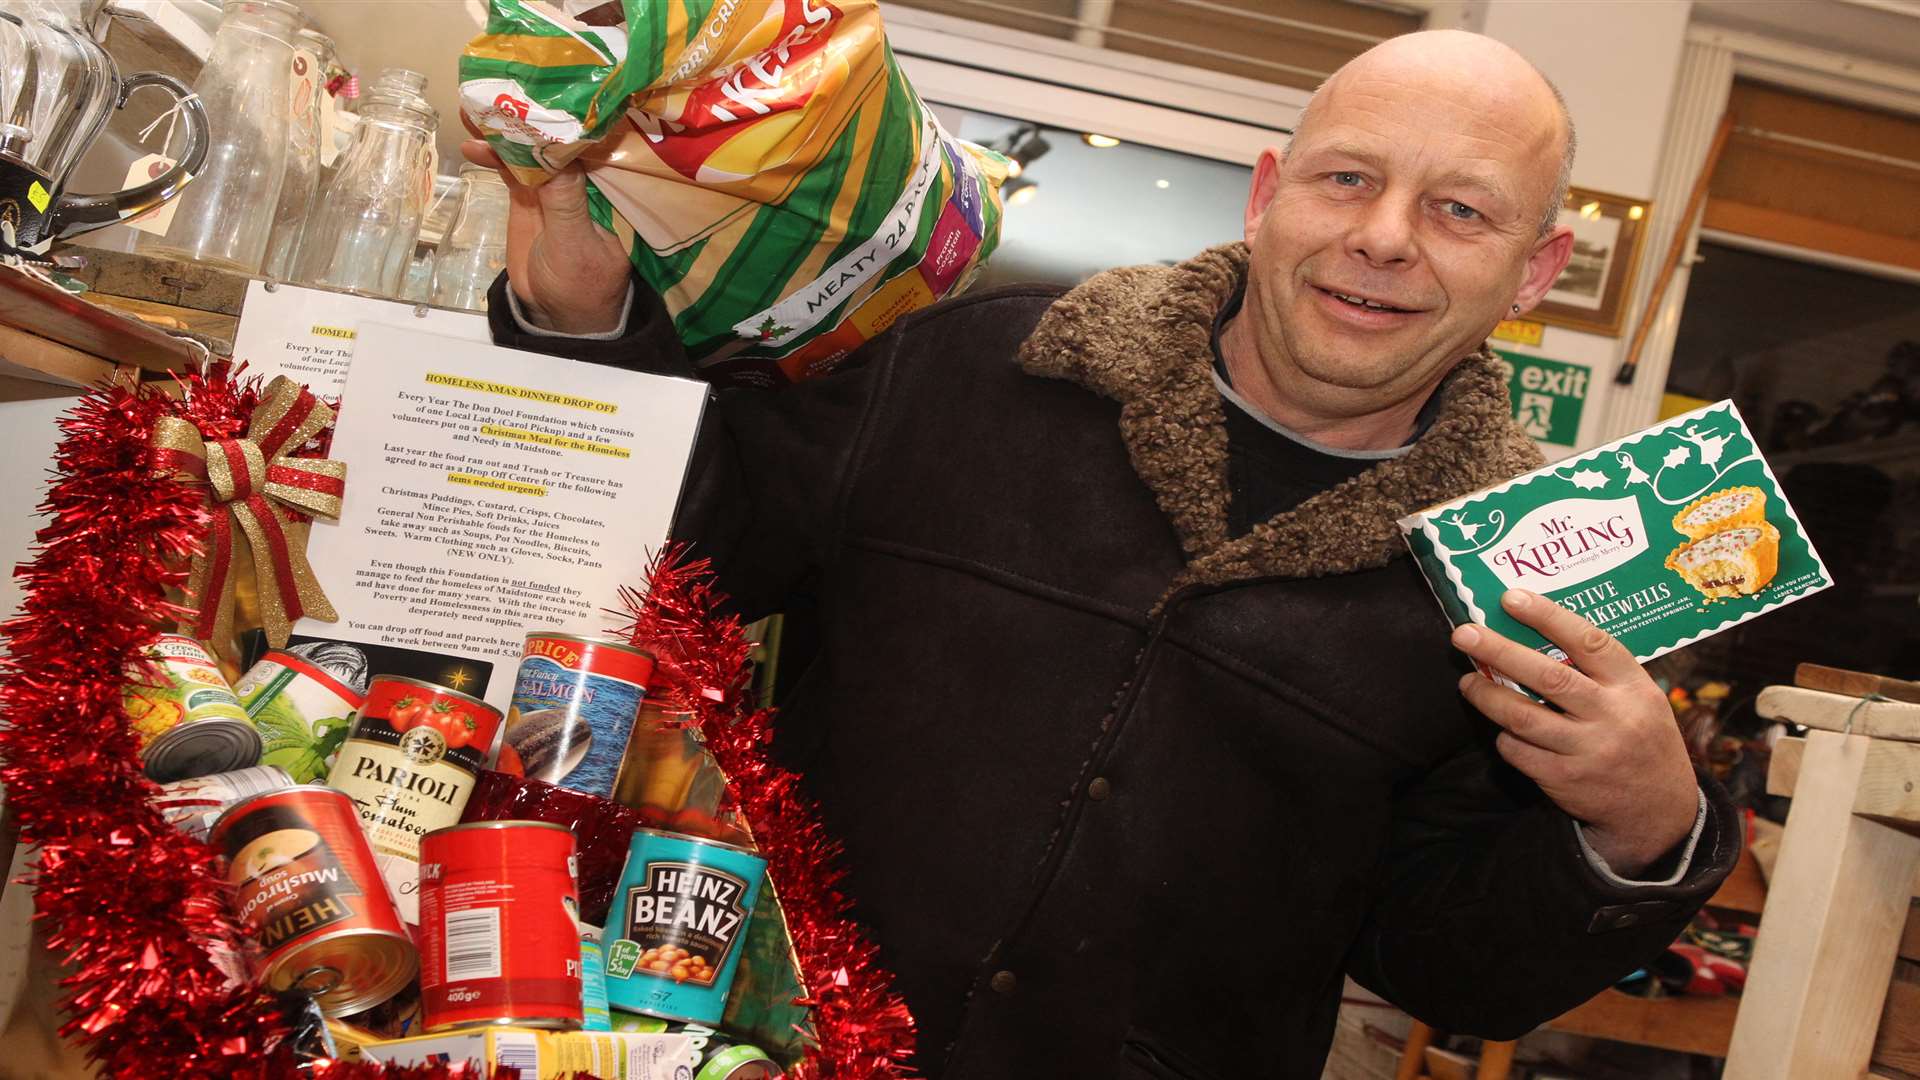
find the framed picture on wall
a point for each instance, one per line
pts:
(1591, 293)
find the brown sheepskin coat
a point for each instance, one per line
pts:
(1121, 794)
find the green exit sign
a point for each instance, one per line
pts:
(1548, 396)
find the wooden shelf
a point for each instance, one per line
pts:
(70, 324)
(1689, 1025)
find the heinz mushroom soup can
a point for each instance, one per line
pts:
(574, 704)
(307, 890)
(409, 765)
(499, 936)
(678, 919)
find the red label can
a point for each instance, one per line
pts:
(499, 936)
(306, 888)
(409, 765)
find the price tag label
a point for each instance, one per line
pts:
(143, 170)
(328, 151)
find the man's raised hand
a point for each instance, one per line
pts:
(1614, 759)
(568, 273)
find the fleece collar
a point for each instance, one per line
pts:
(1140, 336)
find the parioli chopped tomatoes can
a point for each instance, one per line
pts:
(574, 703)
(678, 919)
(499, 936)
(307, 890)
(409, 765)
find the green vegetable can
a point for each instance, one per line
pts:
(302, 711)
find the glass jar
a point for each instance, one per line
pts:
(312, 58)
(225, 215)
(475, 248)
(366, 219)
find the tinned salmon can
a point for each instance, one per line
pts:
(677, 924)
(575, 700)
(184, 714)
(307, 890)
(194, 804)
(409, 764)
(499, 936)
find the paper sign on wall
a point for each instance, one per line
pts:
(309, 334)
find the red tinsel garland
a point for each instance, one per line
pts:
(135, 906)
(861, 1029)
(139, 909)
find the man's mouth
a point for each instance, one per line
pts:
(1364, 302)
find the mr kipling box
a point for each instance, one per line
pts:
(1660, 538)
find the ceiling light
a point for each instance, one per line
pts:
(1163, 183)
(1591, 211)
(1099, 142)
(1014, 168)
(1019, 191)
(1635, 213)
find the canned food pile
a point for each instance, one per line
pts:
(444, 940)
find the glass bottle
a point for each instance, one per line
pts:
(225, 215)
(475, 248)
(418, 286)
(311, 60)
(366, 219)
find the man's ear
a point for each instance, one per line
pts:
(1543, 267)
(1266, 182)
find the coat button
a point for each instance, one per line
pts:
(1098, 788)
(1002, 982)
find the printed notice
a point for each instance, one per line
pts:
(309, 334)
(491, 493)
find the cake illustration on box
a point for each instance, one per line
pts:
(1660, 538)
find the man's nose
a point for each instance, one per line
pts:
(1384, 232)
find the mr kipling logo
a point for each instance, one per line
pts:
(1559, 545)
(688, 905)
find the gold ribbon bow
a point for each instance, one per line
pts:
(256, 483)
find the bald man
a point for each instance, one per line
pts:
(1139, 729)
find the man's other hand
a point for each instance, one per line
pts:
(1614, 759)
(569, 274)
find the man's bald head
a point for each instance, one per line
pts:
(1456, 61)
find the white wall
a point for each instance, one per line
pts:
(28, 436)
(1617, 64)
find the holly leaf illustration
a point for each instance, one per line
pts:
(1676, 457)
(770, 329)
(1588, 479)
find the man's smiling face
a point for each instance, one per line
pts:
(1403, 220)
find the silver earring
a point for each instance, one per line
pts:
(1516, 309)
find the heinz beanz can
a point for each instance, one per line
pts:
(499, 940)
(194, 804)
(574, 705)
(309, 893)
(409, 764)
(678, 918)
(188, 723)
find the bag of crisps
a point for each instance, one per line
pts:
(777, 179)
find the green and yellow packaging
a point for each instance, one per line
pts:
(778, 181)
(1660, 538)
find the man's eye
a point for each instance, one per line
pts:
(1460, 211)
(1349, 179)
